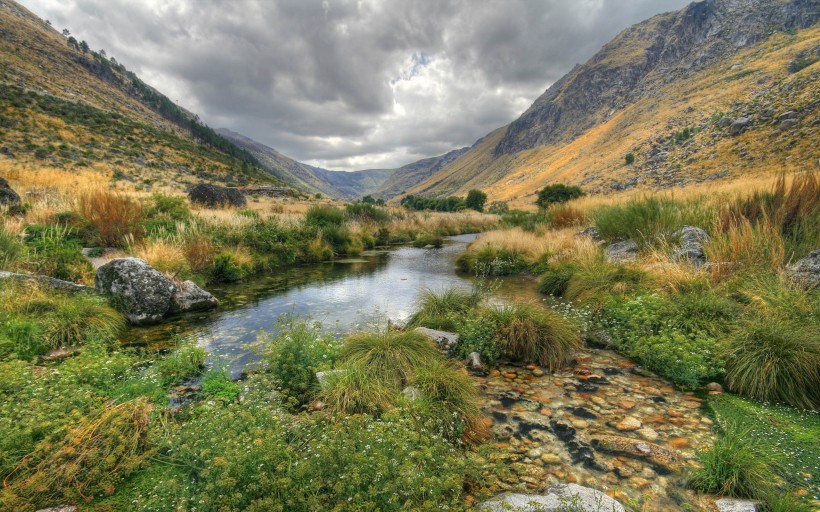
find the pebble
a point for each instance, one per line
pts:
(538, 372)
(647, 433)
(627, 404)
(580, 424)
(679, 443)
(551, 458)
(628, 424)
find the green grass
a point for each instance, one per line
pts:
(390, 357)
(439, 310)
(649, 220)
(492, 261)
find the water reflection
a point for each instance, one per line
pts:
(344, 295)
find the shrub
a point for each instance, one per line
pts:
(57, 252)
(477, 333)
(226, 268)
(356, 389)
(437, 311)
(564, 216)
(324, 216)
(174, 208)
(423, 239)
(187, 361)
(498, 207)
(217, 385)
(732, 468)
(541, 335)
(366, 212)
(646, 220)
(595, 282)
(491, 260)
(558, 193)
(475, 200)
(629, 158)
(113, 216)
(776, 360)
(295, 354)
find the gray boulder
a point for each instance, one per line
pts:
(140, 291)
(735, 505)
(446, 341)
(806, 272)
(788, 124)
(190, 297)
(61, 508)
(691, 245)
(622, 251)
(739, 125)
(559, 498)
(8, 197)
(214, 196)
(592, 232)
(725, 122)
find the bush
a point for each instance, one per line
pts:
(541, 335)
(498, 208)
(187, 361)
(477, 333)
(173, 208)
(595, 282)
(56, 251)
(646, 220)
(439, 311)
(732, 468)
(558, 193)
(217, 385)
(324, 216)
(225, 268)
(475, 200)
(295, 354)
(775, 360)
(366, 212)
(564, 216)
(629, 158)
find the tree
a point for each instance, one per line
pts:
(66, 32)
(72, 43)
(476, 200)
(84, 46)
(630, 158)
(558, 193)
(368, 199)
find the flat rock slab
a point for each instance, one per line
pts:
(622, 252)
(559, 498)
(61, 508)
(636, 448)
(733, 505)
(48, 282)
(445, 340)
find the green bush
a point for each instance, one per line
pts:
(732, 468)
(595, 283)
(492, 261)
(558, 193)
(226, 269)
(648, 220)
(366, 212)
(629, 158)
(217, 385)
(324, 216)
(475, 200)
(533, 334)
(295, 354)
(477, 333)
(174, 208)
(187, 361)
(775, 360)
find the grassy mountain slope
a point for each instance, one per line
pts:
(65, 105)
(411, 174)
(670, 118)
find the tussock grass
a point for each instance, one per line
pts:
(113, 215)
(390, 357)
(541, 335)
(436, 310)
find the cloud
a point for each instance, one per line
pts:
(349, 84)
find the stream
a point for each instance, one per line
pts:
(603, 423)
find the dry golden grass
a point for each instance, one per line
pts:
(114, 215)
(166, 256)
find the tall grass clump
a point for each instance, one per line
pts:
(112, 215)
(775, 360)
(732, 468)
(324, 216)
(594, 281)
(648, 220)
(556, 277)
(391, 357)
(541, 335)
(439, 310)
(564, 216)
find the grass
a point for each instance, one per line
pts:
(113, 216)
(392, 357)
(437, 310)
(532, 334)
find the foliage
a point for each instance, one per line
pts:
(112, 215)
(492, 261)
(475, 200)
(446, 204)
(648, 220)
(732, 468)
(498, 207)
(629, 158)
(295, 354)
(187, 361)
(439, 310)
(555, 279)
(558, 193)
(541, 335)
(477, 333)
(367, 212)
(775, 360)
(217, 385)
(324, 216)
(392, 357)
(55, 251)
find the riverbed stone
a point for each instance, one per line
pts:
(190, 297)
(59, 508)
(558, 498)
(735, 505)
(628, 424)
(647, 433)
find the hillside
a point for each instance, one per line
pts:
(408, 176)
(63, 104)
(666, 90)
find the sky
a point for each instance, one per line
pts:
(351, 84)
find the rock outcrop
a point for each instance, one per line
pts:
(622, 252)
(214, 196)
(144, 295)
(446, 341)
(558, 498)
(691, 241)
(8, 197)
(806, 272)
(45, 281)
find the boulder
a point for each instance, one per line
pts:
(473, 361)
(806, 272)
(8, 197)
(739, 125)
(591, 232)
(558, 498)
(140, 291)
(446, 341)
(725, 122)
(655, 454)
(214, 196)
(622, 251)
(45, 281)
(788, 124)
(60, 508)
(190, 297)
(691, 245)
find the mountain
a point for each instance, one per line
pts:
(337, 184)
(65, 105)
(410, 175)
(666, 90)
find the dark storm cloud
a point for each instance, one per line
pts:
(352, 83)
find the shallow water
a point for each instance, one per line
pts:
(344, 295)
